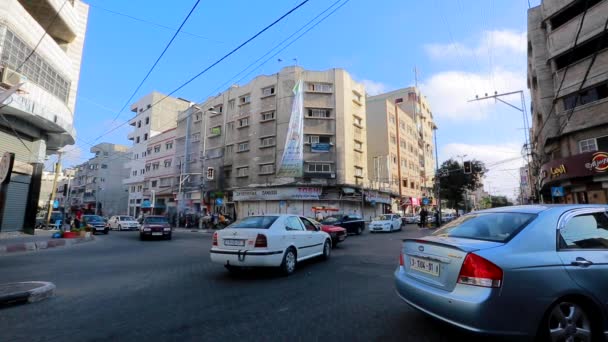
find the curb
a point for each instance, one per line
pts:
(34, 246)
(25, 292)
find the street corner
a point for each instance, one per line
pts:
(25, 292)
(42, 245)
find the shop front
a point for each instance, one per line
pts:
(582, 179)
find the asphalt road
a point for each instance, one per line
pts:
(121, 289)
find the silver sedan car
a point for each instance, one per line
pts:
(522, 271)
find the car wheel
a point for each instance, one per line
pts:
(142, 237)
(326, 250)
(288, 266)
(233, 269)
(334, 243)
(565, 321)
(359, 230)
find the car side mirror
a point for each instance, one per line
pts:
(317, 228)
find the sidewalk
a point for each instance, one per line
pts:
(11, 242)
(193, 230)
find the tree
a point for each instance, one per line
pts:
(454, 181)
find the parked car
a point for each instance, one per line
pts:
(354, 224)
(337, 234)
(95, 223)
(523, 271)
(121, 222)
(385, 223)
(269, 241)
(155, 226)
(410, 219)
(447, 217)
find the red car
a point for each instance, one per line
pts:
(338, 234)
(155, 226)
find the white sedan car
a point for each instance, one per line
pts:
(122, 222)
(386, 223)
(269, 241)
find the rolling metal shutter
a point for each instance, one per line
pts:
(16, 201)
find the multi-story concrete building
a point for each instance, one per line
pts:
(568, 81)
(245, 132)
(98, 182)
(154, 113)
(41, 44)
(161, 173)
(400, 148)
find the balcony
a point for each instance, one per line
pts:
(576, 72)
(562, 38)
(60, 17)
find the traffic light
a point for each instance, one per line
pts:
(210, 173)
(468, 167)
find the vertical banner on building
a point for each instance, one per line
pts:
(293, 155)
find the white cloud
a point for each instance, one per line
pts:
(502, 160)
(501, 44)
(374, 88)
(72, 155)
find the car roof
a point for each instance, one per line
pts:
(538, 208)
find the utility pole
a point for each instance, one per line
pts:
(437, 180)
(54, 188)
(185, 161)
(466, 206)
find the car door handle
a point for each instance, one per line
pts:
(581, 262)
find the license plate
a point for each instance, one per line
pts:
(232, 242)
(157, 233)
(430, 267)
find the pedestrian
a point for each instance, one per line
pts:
(76, 223)
(319, 216)
(423, 214)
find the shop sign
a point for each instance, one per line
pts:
(558, 171)
(415, 201)
(375, 197)
(294, 193)
(599, 162)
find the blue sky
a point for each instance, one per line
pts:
(460, 47)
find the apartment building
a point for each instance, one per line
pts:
(97, 186)
(160, 178)
(41, 44)
(244, 134)
(400, 148)
(568, 82)
(153, 114)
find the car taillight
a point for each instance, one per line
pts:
(401, 261)
(260, 241)
(478, 271)
(214, 243)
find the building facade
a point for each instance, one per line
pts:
(244, 134)
(161, 173)
(568, 82)
(97, 186)
(154, 113)
(41, 44)
(401, 155)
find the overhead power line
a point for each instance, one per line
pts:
(156, 62)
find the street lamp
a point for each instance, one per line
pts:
(437, 180)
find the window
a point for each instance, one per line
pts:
(244, 146)
(104, 166)
(570, 13)
(165, 181)
(267, 116)
(242, 172)
(229, 149)
(581, 51)
(136, 156)
(167, 162)
(19, 56)
(586, 96)
(231, 104)
(169, 145)
(393, 139)
(156, 148)
(356, 96)
(587, 145)
(134, 173)
(148, 167)
(403, 144)
(255, 222)
(318, 139)
(137, 140)
(320, 87)
(268, 91)
(155, 166)
(133, 188)
(399, 100)
(358, 171)
(358, 121)
(319, 113)
(412, 185)
(587, 231)
(217, 130)
(196, 137)
(402, 124)
(197, 117)
(392, 119)
(139, 124)
(142, 171)
(404, 183)
(245, 99)
(227, 173)
(319, 168)
(106, 154)
(266, 169)
(145, 136)
(268, 141)
(244, 122)
(358, 145)
(147, 120)
(293, 223)
(308, 225)
(154, 184)
(149, 150)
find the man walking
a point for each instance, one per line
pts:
(423, 216)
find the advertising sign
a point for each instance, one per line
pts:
(292, 193)
(292, 161)
(580, 165)
(320, 147)
(415, 201)
(375, 197)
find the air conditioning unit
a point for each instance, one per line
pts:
(333, 175)
(11, 77)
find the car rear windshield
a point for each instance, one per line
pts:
(499, 227)
(384, 218)
(331, 219)
(93, 219)
(126, 218)
(155, 220)
(255, 222)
